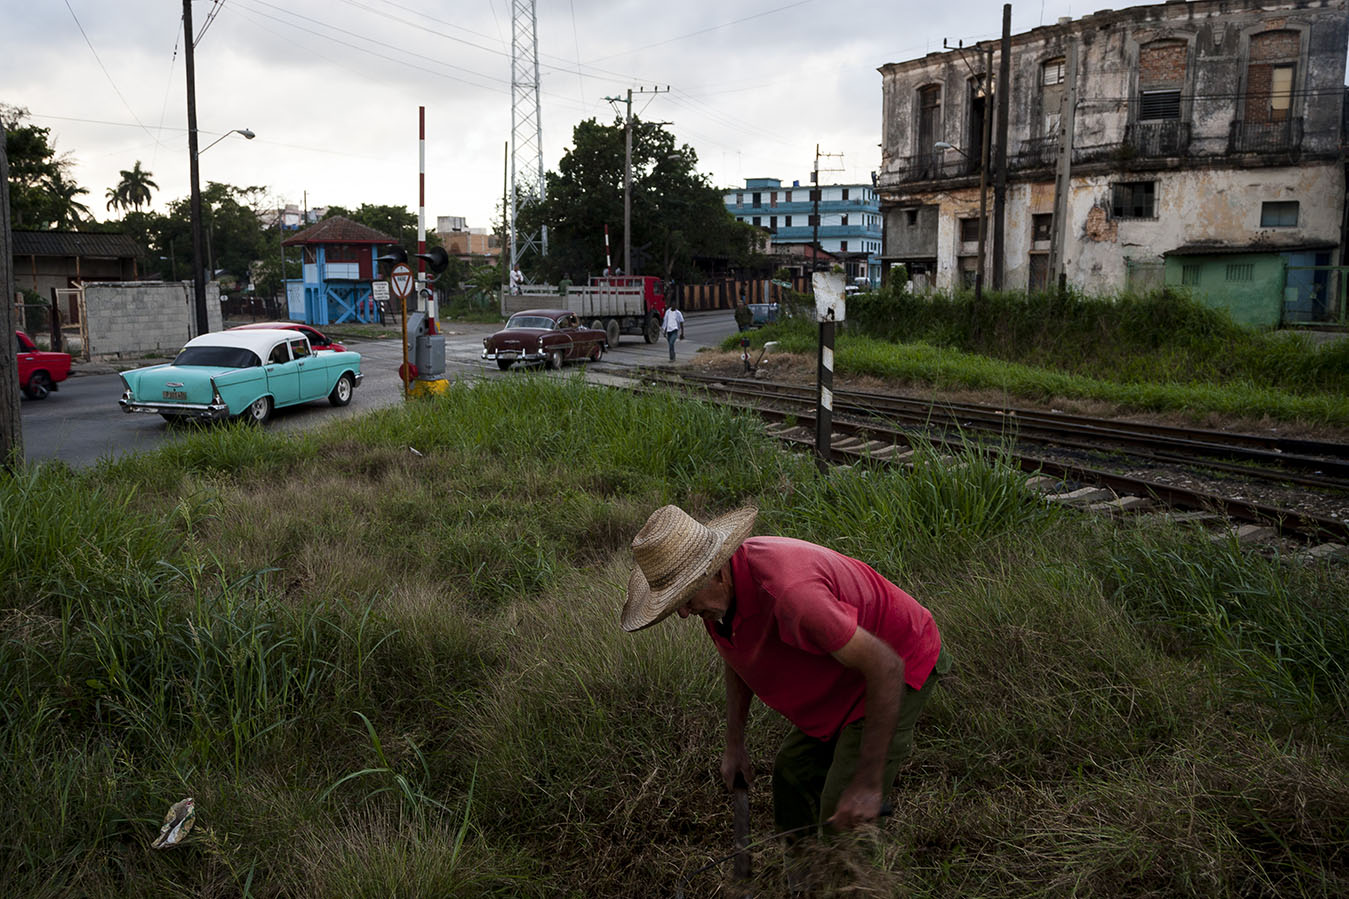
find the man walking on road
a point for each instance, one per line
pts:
(673, 326)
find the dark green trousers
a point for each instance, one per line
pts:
(810, 775)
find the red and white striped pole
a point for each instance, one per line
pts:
(421, 198)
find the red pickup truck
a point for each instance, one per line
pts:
(39, 370)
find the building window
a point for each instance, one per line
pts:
(788, 223)
(969, 230)
(1242, 271)
(843, 218)
(1270, 76)
(1134, 200)
(787, 196)
(1161, 78)
(1051, 96)
(843, 246)
(911, 217)
(758, 222)
(929, 119)
(1042, 226)
(773, 198)
(1039, 272)
(1189, 274)
(845, 193)
(1158, 105)
(756, 200)
(969, 267)
(1280, 214)
(740, 199)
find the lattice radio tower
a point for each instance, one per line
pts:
(527, 172)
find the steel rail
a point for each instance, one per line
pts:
(1159, 443)
(1287, 522)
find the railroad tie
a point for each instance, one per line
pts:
(1083, 496)
(1124, 505)
(1246, 534)
(1326, 552)
(1044, 483)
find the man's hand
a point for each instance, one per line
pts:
(735, 761)
(857, 805)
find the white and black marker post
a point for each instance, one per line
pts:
(829, 309)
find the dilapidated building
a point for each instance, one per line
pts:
(1198, 128)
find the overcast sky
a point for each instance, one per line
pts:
(331, 87)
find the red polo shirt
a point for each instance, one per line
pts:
(795, 603)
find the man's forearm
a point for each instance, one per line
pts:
(738, 695)
(885, 692)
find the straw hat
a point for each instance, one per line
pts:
(674, 556)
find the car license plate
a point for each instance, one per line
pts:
(507, 354)
(175, 394)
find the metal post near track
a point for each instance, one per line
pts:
(829, 310)
(824, 411)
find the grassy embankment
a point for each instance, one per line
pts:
(396, 675)
(1158, 353)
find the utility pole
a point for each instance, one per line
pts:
(198, 283)
(627, 170)
(983, 185)
(1059, 236)
(815, 194)
(11, 426)
(1004, 84)
(627, 187)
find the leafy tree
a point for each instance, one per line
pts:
(41, 194)
(679, 223)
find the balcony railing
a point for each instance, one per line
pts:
(1163, 138)
(933, 166)
(1038, 152)
(1266, 137)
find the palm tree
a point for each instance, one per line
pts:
(67, 211)
(134, 188)
(116, 197)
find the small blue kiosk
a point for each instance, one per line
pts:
(339, 267)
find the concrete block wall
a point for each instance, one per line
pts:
(135, 318)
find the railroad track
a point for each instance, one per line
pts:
(871, 428)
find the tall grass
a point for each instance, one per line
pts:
(382, 673)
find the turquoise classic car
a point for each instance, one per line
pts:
(241, 374)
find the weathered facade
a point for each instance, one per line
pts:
(1209, 124)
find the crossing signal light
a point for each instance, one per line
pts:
(393, 256)
(437, 260)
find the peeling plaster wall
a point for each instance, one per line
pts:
(1198, 206)
(1205, 194)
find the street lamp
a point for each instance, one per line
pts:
(198, 281)
(943, 145)
(248, 135)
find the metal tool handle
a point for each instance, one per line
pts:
(740, 807)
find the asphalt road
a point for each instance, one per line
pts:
(81, 423)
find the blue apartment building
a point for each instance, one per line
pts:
(850, 221)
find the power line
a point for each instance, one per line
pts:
(105, 72)
(216, 6)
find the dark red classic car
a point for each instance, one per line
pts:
(552, 336)
(317, 339)
(39, 370)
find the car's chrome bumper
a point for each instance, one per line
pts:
(513, 355)
(359, 376)
(203, 411)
